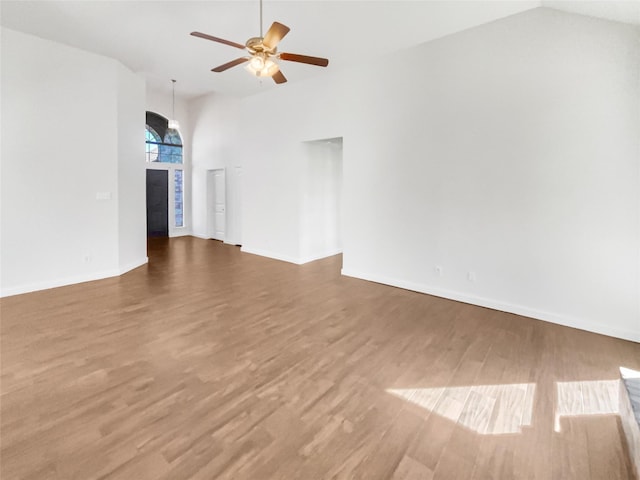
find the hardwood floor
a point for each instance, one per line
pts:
(210, 363)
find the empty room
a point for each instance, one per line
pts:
(319, 239)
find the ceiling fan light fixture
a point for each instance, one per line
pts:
(261, 65)
(257, 63)
(270, 68)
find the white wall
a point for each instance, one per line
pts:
(509, 151)
(62, 147)
(161, 103)
(132, 232)
(279, 121)
(215, 142)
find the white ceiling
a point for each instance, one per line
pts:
(152, 37)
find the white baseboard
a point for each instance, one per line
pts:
(63, 282)
(205, 237)
(328, 253)
(493, 304)
(266, 253)
(200, 235)
(127, 267)
(286, 258)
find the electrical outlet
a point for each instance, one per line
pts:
(439, 270)
(87, 259)
(471, 276)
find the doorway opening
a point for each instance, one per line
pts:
(321, 199)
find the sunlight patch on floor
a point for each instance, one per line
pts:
(597, 397)
(485, 409)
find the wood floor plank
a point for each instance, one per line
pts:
(410, 469)
(212, 363)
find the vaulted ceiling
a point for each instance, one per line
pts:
(152, 37)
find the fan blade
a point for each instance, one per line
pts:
(293, 57)
(230, 64)
(278, 77)
(276, 32)
(216, 39)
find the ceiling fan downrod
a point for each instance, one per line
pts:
(260, 18)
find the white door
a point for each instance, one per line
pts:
(216, 204)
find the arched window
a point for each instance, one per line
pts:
(152, 141)
(163, 144)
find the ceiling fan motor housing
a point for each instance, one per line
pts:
(255, 45)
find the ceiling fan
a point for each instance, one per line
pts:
(263, 52)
